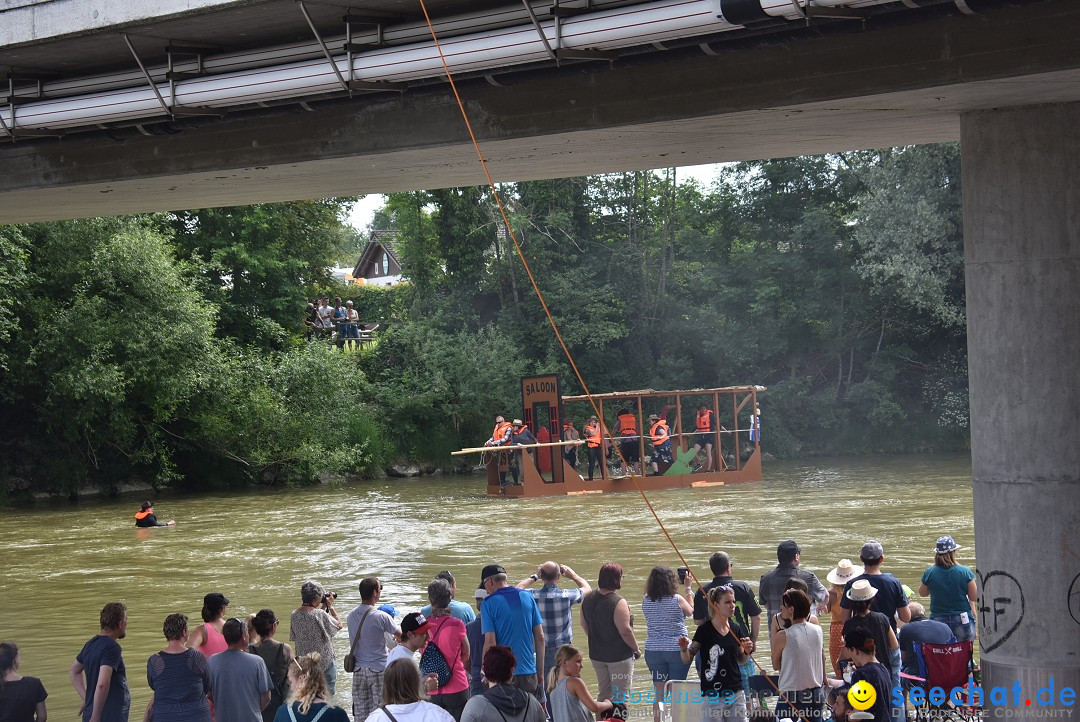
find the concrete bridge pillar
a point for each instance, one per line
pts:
(1021, 178)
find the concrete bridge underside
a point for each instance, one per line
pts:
(830, 89)
(1006, 83)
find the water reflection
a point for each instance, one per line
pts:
(62, 563)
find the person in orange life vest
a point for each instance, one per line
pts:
(661, 441)
(569, 433)
(520, 435)
(145, 517)
(593, 445)
(626, 430)
(704, 425)
(501, 435)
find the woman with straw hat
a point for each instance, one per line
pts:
(844, 572)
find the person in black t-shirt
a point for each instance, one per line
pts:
(860, 649)
(724, 645)
(22, 699)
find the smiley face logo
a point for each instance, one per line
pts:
(862, 695)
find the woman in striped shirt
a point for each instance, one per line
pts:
(665, 620)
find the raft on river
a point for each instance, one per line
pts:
(544, 470)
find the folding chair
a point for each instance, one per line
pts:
(947, 666)
(680, 708)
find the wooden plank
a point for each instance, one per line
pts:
(702, 484)
(515, 447)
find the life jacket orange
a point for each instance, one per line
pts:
(500, 431)
(704, 421)
(592, 436)
(659, 432)
(627, 425)
(140, 515)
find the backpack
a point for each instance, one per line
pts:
(433, 661)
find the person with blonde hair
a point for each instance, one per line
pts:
(310, 698)
(402, 699)
(568, 697)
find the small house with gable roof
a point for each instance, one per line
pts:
(378, 264)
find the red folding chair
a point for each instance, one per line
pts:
(947, 666)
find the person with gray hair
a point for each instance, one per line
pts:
(312, 627)
(920, 629)
(447, 633)
(458, 610)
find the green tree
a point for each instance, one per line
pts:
(259, 263)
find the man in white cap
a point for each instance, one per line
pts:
(890, 599)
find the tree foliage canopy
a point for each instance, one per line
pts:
(171, 346)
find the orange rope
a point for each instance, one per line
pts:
(543, 303)
(532, 279)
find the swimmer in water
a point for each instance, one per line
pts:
(145, 517)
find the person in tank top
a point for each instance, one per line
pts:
(278, 657)
(609, 627)
(798, 653)
(568, 697)
(207, 636)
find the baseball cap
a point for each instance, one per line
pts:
(215, 599)
(786, 550)
(389, 609)
(491, 570)
(480, 593)
(414, 622)
(872, 550)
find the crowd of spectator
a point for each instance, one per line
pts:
(513, 659)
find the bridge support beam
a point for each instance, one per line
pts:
(1021, 178)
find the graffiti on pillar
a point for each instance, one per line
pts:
(1001, 609)
(1074, 599)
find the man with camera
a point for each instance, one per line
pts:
(368, 626)
(555, 604)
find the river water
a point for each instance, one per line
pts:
(62, 563)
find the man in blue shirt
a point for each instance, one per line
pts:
(554, 605)
(104, 691)
(510, 617)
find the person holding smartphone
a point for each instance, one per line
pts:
(665, 613)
